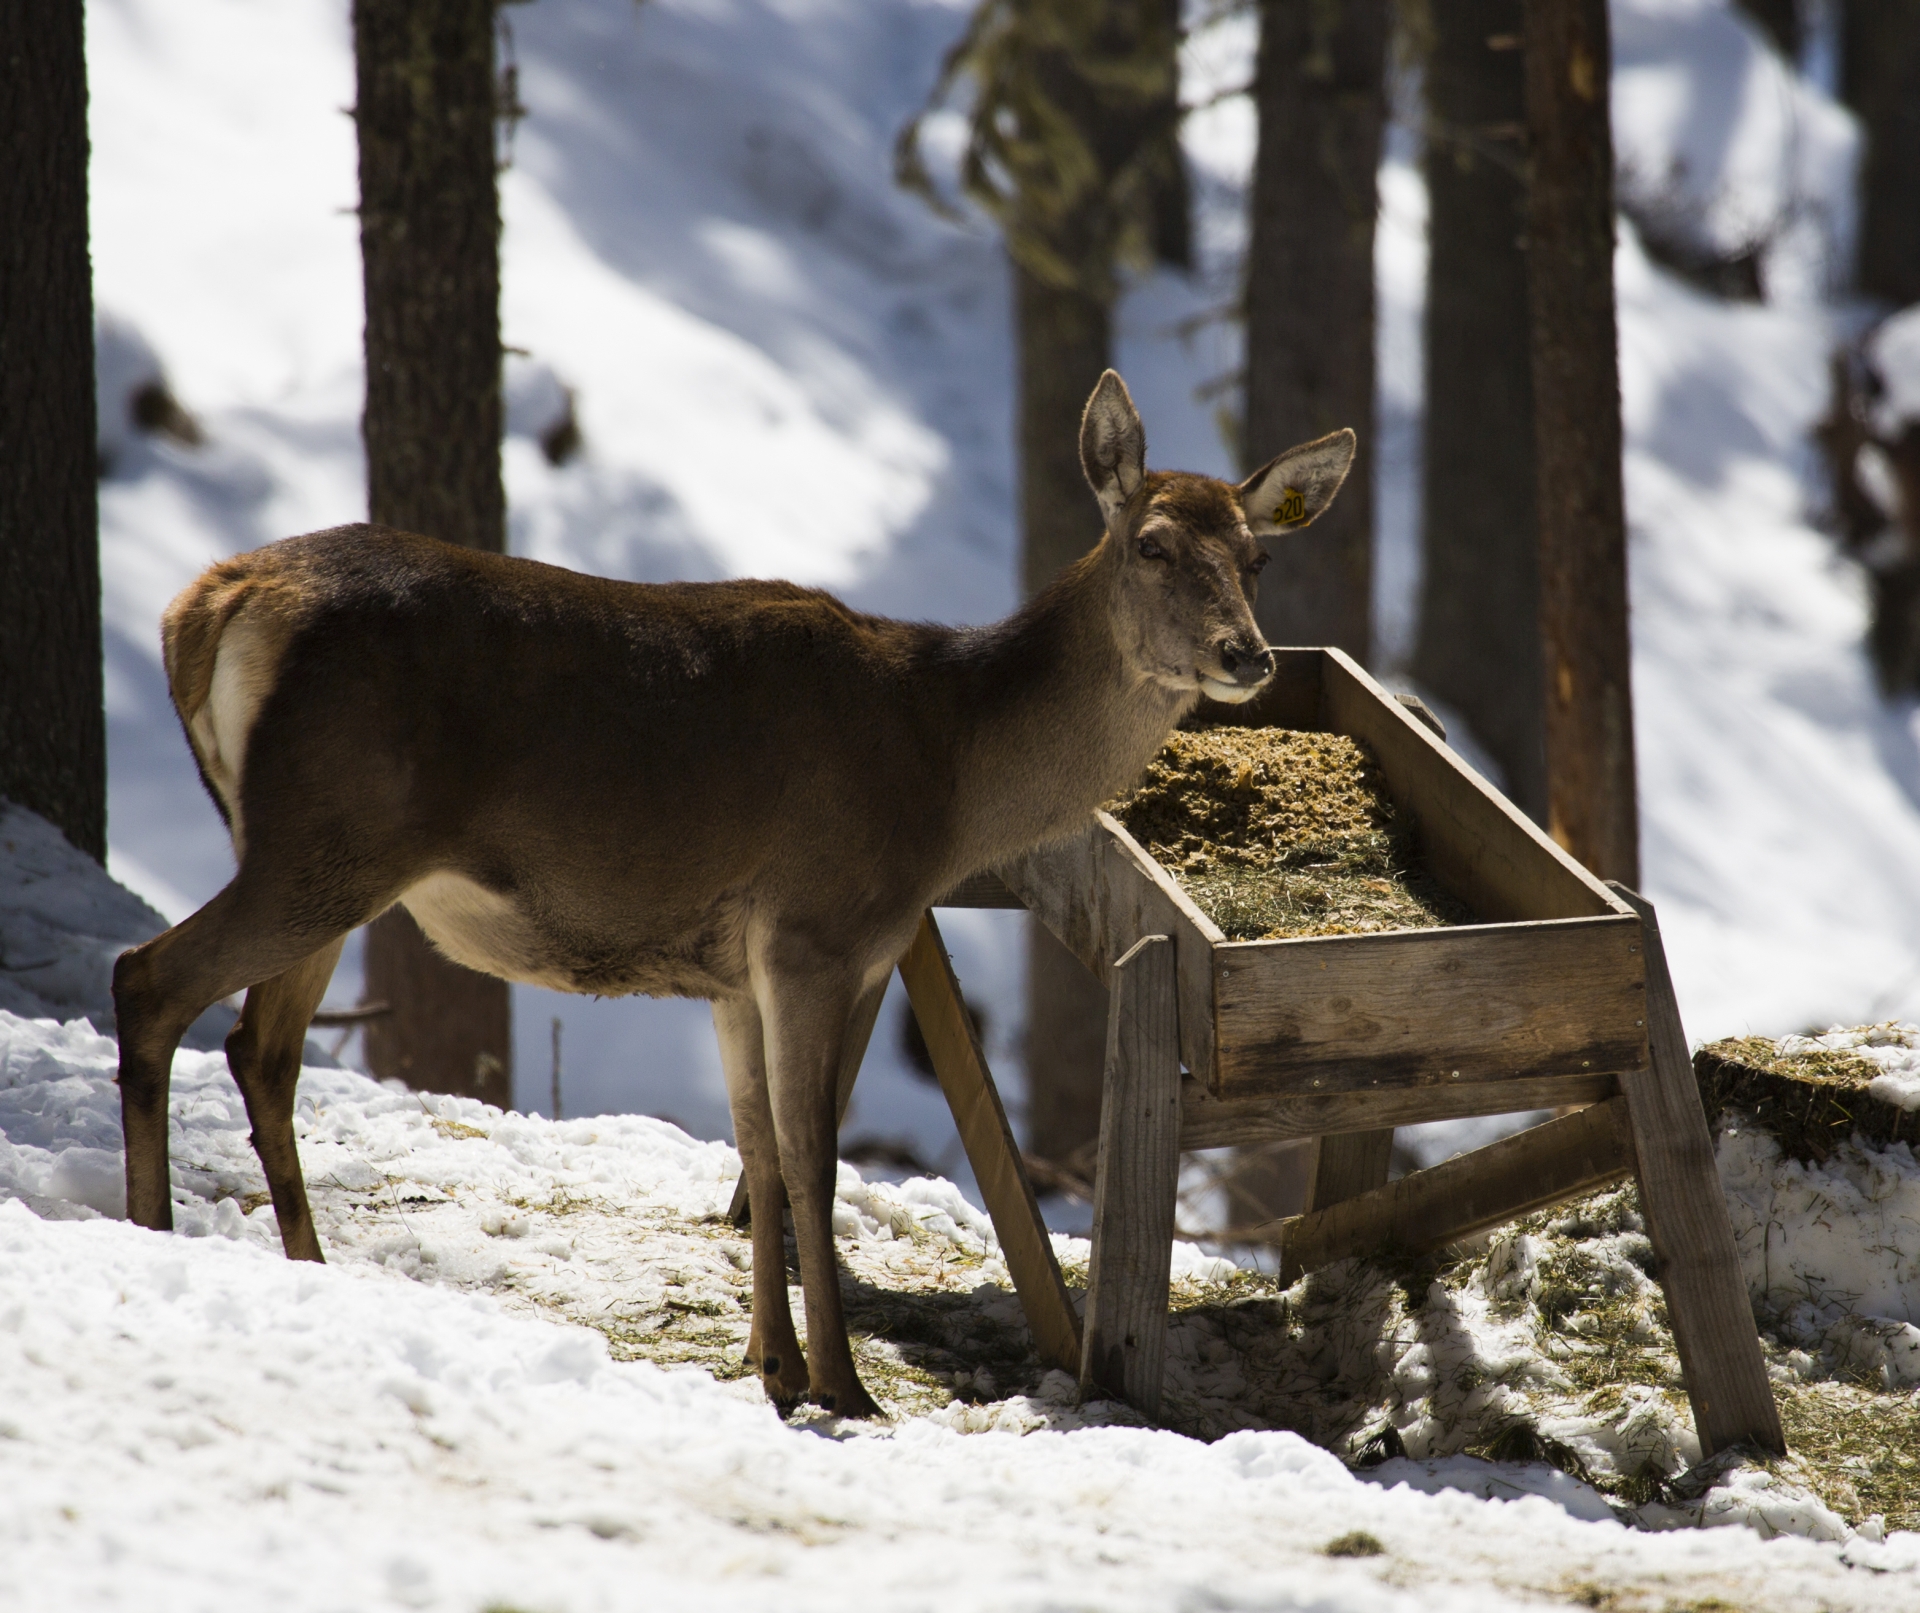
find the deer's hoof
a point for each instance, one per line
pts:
(846, 1402)
(784, 1376)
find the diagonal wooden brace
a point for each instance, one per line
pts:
(1687, 1222)
(968, 1084)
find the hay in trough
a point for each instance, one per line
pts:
(1277, 833)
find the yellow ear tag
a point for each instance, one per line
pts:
(1293, 506)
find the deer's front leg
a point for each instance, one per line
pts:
(807, 1026)
(773, 1349)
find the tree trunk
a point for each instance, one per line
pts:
(1479, 636)
(1586, 654)
(1880, 80)
(1780, 19)
(1064, 339)
(430, 256)
(53, 745)
(1320, 90)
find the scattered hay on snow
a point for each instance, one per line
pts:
(1543, 1350)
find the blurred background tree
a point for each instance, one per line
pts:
(1320, 94)
(53, 738)
(430, 255)
(1478, 637)
(1073, 147)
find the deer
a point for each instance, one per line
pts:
(741, 791)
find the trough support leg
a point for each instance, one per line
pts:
(1687, 1222)
(1347, 1165)
(859, 1034)
(1138, 1181)
(968, 1084)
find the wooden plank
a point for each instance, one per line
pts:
(1100, 892)
(1210, 1122)
(1478, 844)
(980, 890)
(968, 1084)
(1687, 1222)
(1348, 1164)
(1432, 1208)
(1138, 1182)
(852, 1055)
(1353, 1013)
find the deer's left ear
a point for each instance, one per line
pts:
(1113, 445)
(1289, 491)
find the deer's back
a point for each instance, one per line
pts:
(631, 768)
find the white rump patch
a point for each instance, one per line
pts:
(245, 668)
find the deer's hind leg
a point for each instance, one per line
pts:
(807, 1021)
(773, 1348)
(162, 986)
(263, 1052)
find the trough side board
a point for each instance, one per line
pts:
(1210, 1122)
(1478, 844)
(1099, 893)
(1426, 1008)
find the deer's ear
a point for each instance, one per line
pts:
(1287, 492)
(1113, 445)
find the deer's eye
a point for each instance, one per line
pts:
(1258, 563)
(1149, 550)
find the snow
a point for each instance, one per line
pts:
(422, 1422)
(62, 923)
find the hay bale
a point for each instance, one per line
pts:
(1809, 1097)
(1280, 833)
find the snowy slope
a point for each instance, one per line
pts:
(191, 1420)
(784, 364)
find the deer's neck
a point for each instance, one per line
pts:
(1051, 719)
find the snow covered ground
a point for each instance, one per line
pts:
(465, 1410)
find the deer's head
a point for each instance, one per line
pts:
(1185, 547)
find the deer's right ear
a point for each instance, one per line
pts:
(1290, 490)
(1113, 445)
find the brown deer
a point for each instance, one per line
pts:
(743, 791)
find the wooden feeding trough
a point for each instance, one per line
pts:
(1558, 996)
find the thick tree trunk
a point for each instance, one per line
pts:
(430, 254)
(1586, 654)
(1880, 80)
(1479, 635)
(53, 747)
(1320, 90)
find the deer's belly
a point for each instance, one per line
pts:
(483, 930)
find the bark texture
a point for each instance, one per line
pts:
(1479, 632)
(1065, 341)
(1591, 808)
(1321, 97)
(430, 258)
(53, 749)
(1880, 80)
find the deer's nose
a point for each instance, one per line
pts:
(1246, 661)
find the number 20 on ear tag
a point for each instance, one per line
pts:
(1293, 506)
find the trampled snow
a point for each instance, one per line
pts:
(190, 1420)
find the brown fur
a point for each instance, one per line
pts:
(744, 791)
